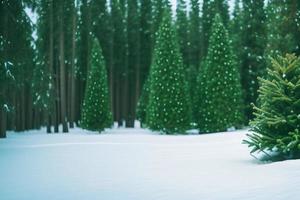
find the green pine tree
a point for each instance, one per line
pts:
(182, 30)
(219, 93)
(146, 39)
(194, 34)
(296, 28)
(277, 119)
(143, 102)
(236, 28)
(168, 109)
(209, 10)
(280, 22)
(96, 113)
(253, 48)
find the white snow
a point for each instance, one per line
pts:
(136, 164)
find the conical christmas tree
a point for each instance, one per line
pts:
(219, 93)
(277, 118)
(141, 109)
(96, 114)
(169, 102)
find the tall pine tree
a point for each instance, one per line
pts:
(182, 30)
(209, 10)
(133, 32)
(280, 21)
(169, 103)
(253, 48)
(219, 93)
(96, 114)
(194, 34)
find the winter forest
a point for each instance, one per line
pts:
(120, 71)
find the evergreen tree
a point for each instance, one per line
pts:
(277, 120)
(182, 30)
(102, 27)
(141, 110)
(209, 10)
(253, 48)
(219, 95)
(235, 28)
(194, 34)
(194, 51)
(280, 22)
(120, 62)
(146, 41)
(133, 35)
(159, 6)
(96, 114)
(16, 64)
(168, 109)
(192, 73)
(296, 28)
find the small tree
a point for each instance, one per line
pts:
(168, 109)
(141, 109)
(96, 113)
(277, 119)
(219, 93)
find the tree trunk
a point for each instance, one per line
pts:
(2, 122)
(72, 75)
(62, 72)
(29, 108)
(50, 111)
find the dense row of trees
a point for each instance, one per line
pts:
(43, 81)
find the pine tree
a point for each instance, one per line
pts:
(280, 22)
(276, 124)
(235, 28)
(146, 42)
(296, 28)
(209, 10)
(182, 30)
(133, 35)
(16, 67)
(141, 109)
(253, 48)
(168, 109)
(120, 64)
(96, 114)
(158, 8)
(219, 95)
(194, 34)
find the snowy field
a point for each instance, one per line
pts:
(135, 164)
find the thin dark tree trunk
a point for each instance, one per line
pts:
(29, 109)
(23, 108)
(51, 113)
(2, 122)
(62, 72)
(72, 81)
(3, 116)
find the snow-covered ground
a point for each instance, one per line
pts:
(135, 164)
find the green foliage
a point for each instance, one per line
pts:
(96, 113)
(253, 48)
(146, 38)
(182, 30)
(143, 102)
(168, 109)
(192, 73)
(277, 118)
(194, 34)
(209, 10)
(280, 20)
(236, 29)
(219, 94)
